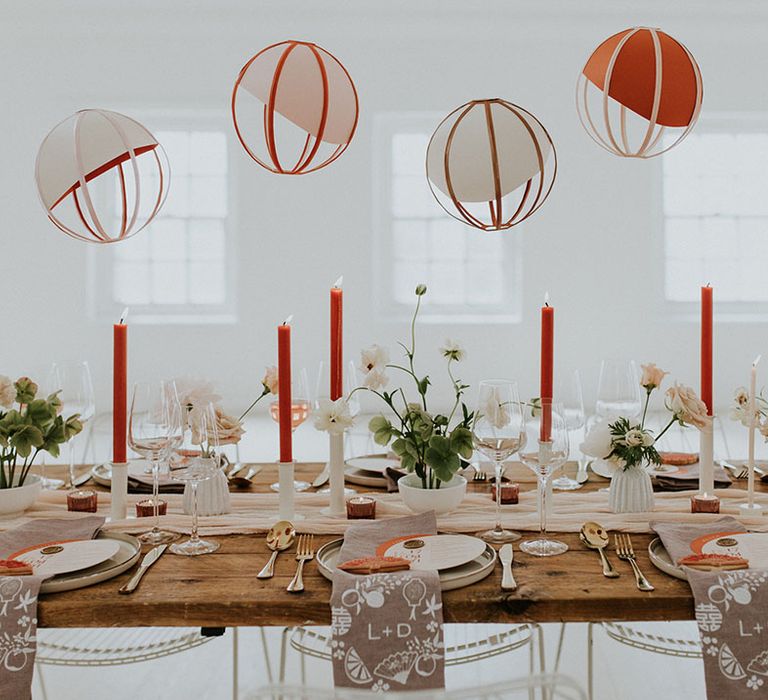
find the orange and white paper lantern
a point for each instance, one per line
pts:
(639, 93)
(101, 176)
(294, 107)
(491, 164)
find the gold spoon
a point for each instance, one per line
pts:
(594, 536)
(279, 538)
(244, 481)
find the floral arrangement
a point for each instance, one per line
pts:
(627, 443)
(431, 445)
(35, 426)
(740, 411)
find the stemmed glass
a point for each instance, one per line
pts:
(546, 450)
(194, 465)
(571, 397)
(154, 430)
(301, 407)
(498, 431)
(618, 389)
(73, 381)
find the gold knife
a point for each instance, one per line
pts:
(149, 558)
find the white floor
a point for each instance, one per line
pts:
(206, 671)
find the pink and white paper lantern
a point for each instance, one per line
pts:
(101, 176)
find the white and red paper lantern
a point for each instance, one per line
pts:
(101, 176)
(491, 164)
(639, 93)
(294, 107)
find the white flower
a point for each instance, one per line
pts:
(598, 442)
(7, 392)
(453, 351)
(271, 380)
(229, 430)
(373, 362)
(652, 376)
(494, 410)
(634, 438)
(687, 406)
(196, 393)
(333, 417)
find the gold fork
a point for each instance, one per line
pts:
(625, 552)
(304, 552)
(480, 477)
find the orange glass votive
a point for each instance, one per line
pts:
(510, 493)
(361, 508)
(82, 501)
(146, 508)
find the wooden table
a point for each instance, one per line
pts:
(221, 589)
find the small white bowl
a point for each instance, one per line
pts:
(442, 500)
(16, 500)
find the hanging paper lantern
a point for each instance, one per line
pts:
(101, 176)
(491, 164)
(294, 107)
(640, 93)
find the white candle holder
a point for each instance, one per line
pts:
(286, 508)
(706, 501)
(118, 491)
(337, 506)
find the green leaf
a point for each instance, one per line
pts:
(461, 442)
(24, 438)
(26, 390)
(382, 430)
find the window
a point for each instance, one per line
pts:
(179, 267)
(471, 275)
(716, 214)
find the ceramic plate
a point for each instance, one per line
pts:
(63, 557)
(661, 560)
(601, 468)
(102, 473)
(373, 463)
(126, 557)
(430, 552)
(364, 478)
(450, 579)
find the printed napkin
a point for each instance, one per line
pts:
(731, 613)
(387, 629)
(686, 477)
(18, 600)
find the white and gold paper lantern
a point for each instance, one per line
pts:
(491, 164)
(101, 176)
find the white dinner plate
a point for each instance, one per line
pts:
(450, 579)
(360, 477)
(434, 552)
(373, 463)
(102, 473)
(661, 560)
(63, 557)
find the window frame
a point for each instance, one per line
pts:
(386, 308)
(103, 306)
(734, 123)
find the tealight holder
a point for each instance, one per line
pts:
(361, 508)
(83, 501)
(510, 493)
(146, 508)
(705, 503)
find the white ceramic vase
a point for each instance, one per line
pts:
(631, 491)
(212, 496)
(442, 500)
(16, 500)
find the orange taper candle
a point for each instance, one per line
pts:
(706, 348)
(284, 390)
(547, 368)
(120, 390)
(337, 348)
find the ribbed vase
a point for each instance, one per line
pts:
(631, 491)
(212, 496)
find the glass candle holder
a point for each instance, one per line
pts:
(146, 508)
(83, 501)
(510, 493)
(361, 508)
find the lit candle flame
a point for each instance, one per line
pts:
(757, 360)
(337, 284)
(124, 316)
(546, 298)
(287, 321)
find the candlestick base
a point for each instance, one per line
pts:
(704, 503)
(751, 511)
(118, 491)
(287, 508)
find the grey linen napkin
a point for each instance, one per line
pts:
(731, 612)
(387, 629)
(687, 477)
(18, 600)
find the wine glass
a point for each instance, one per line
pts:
(301, 407)
(75, 386)
(618, 390)
(154, 430)
(197, 461)
(571, 397)
(545, 451)
(498, 431)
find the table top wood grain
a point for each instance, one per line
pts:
(221, 589)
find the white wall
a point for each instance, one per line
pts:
(594, 245)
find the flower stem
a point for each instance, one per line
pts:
(250, 408)
(669, 425)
